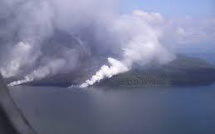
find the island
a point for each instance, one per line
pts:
(183, 71)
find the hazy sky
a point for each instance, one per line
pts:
(188, 24)
(173, 8)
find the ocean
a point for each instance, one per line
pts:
(158, 110)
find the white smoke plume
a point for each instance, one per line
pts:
(19, 82)
(116, 67)
(34, 21)
(66, 37)
(140, 44)
(18, 57)
(47, 70)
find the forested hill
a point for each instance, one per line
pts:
(183, 71)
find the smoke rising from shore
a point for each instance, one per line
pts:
(46, 38)
(140, 44)
(116, 67)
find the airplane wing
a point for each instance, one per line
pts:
(12, 121)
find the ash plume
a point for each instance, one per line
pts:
(42, 39)
(140, 44)
(115, 68)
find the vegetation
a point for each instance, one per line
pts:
(183, 71)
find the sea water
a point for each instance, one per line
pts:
(158, 110)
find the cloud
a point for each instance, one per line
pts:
(190, 31)
(139, 39)
(44, 38)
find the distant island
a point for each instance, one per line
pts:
(183, 71)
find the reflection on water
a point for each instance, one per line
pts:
(189, 110)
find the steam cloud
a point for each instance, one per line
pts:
(141, 45)
(41, 39)
(116, 67)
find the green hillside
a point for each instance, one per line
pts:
(183, 71)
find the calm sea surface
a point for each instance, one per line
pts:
(179, 110)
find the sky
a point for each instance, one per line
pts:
(188, 25)
(173, 8)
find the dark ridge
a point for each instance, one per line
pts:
(183, 71)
